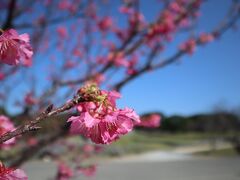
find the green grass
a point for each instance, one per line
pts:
(230, 152)
(139, 141)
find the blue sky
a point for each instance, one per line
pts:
(209, 78)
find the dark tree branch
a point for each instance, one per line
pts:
(32, 125)
(10, 16)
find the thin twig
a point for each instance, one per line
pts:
(49, 112)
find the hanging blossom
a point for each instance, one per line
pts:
(100, 119)
(15, 48)
(11, 174)
(150, 121)
(6, 125)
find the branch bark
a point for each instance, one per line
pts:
(10, 16)
(32, 125)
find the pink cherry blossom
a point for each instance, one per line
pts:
(174, 6)
(136, 20)
(100, 120)
(11, 174)
(150, 121)
(105, 24)
(131, 65)
(189, 46)
(2, 76)
(64, 5)
(6, 125)
(125, 10)
(87, 171)
(119, 59)
(88, 148)
(62, 32)
(98, 149)
(64, 172)
(77, 52)
(32, 141)
(99, 78)
(205, 38)
(15, 48)
(29, 99)
(69, 64)
(165, 27)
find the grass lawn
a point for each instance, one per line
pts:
(140, 141)
(229, 152)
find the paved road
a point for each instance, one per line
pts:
(188, 169)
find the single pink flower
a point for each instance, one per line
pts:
(175, 7)
(2, 76)
(90, 10)
(11, 174)
(64, 172)
(6, 125)
(29, 99)
(99, 78)
(88, 148)
(137, 20)
(100, 120)
(77, 52)
(105, 24)
(69, 64)
(205, 38)
(185, 22)
(87, 171)
(98, 149)
(189, 46)
(64, 5)
(131, 71)
(125, 10)
(119, 59)
(32, 141)
(15, 48)
(150, 121)
(62, 32)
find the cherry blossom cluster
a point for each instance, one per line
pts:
(100, 119)
(15, 48)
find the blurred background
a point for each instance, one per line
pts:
(176, 62)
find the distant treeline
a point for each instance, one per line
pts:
(220, 122)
